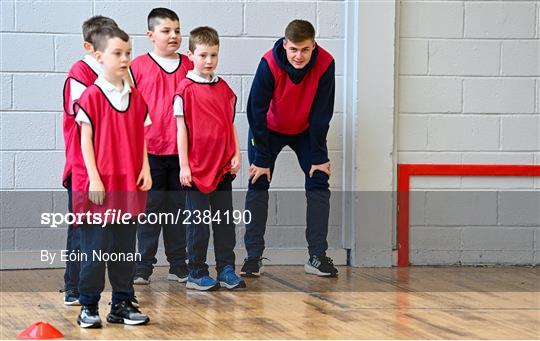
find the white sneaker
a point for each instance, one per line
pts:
(176, 278)
(141, 281)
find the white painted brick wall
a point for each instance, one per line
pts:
(499, 19)
(498, 95)
(538, 94)
(466, 58)
(14, 60)
(413, 56)
(142, 45)
(331, 19)
(447, 132)
(7, 13)
(413, 132)
(67, 48)
(40, 41)
(6, 85)
(130, 15)
(7, 239)
(443, 19)
(51, 16)
(497, 238)
(38, 128)
(225, 17)
(59, 131)
(520, 132)
(469, 81)
(22, 209)
(520, 58)
(8, 170)
(491, 182)
(38, 91)
(37, 170)
(430, 94)
(519, 208)
(267, 19)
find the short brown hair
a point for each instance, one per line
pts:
(299, 30)
(107, 33)
(93, 25)
(203, 35)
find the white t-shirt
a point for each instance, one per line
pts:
(118, 99)
(76, 88)
(167, 64)
(178, 104)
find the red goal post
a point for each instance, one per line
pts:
(405, 171)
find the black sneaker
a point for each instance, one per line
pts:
(71, 297)
(135, 302)
(321, 266)
(124, 312)
(89, 317)
(180, 275)
(253, 267)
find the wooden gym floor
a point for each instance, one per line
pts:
(396, 303)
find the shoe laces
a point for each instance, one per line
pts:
(129, 306)
(91, 309)
(228, 272)
(68, 292)
(326, 260)
(256, 260)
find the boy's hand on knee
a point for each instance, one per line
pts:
(185, 176)
(325, 167)
(96, 192)
(256, 172)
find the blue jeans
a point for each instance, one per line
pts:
(198, 233)
(73, 245)
(165, 196)
(114, 238)
(317, 195)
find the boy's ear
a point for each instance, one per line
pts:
(190, 55)
(98, 55)
(88, 47)
(150, 35)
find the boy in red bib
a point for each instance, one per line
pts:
(156, 75)
(114, 176)
(204, 106)
(81, 75)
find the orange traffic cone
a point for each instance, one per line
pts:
(40, 331)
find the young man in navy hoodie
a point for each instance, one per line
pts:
(291, 103)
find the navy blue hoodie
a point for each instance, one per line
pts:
(320, 115)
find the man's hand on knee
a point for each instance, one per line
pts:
(256, 172)
(324, 167)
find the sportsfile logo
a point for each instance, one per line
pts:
(112, 216)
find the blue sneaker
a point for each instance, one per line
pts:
(228, 279)
(205, 283)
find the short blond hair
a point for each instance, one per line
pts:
(203, 35)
